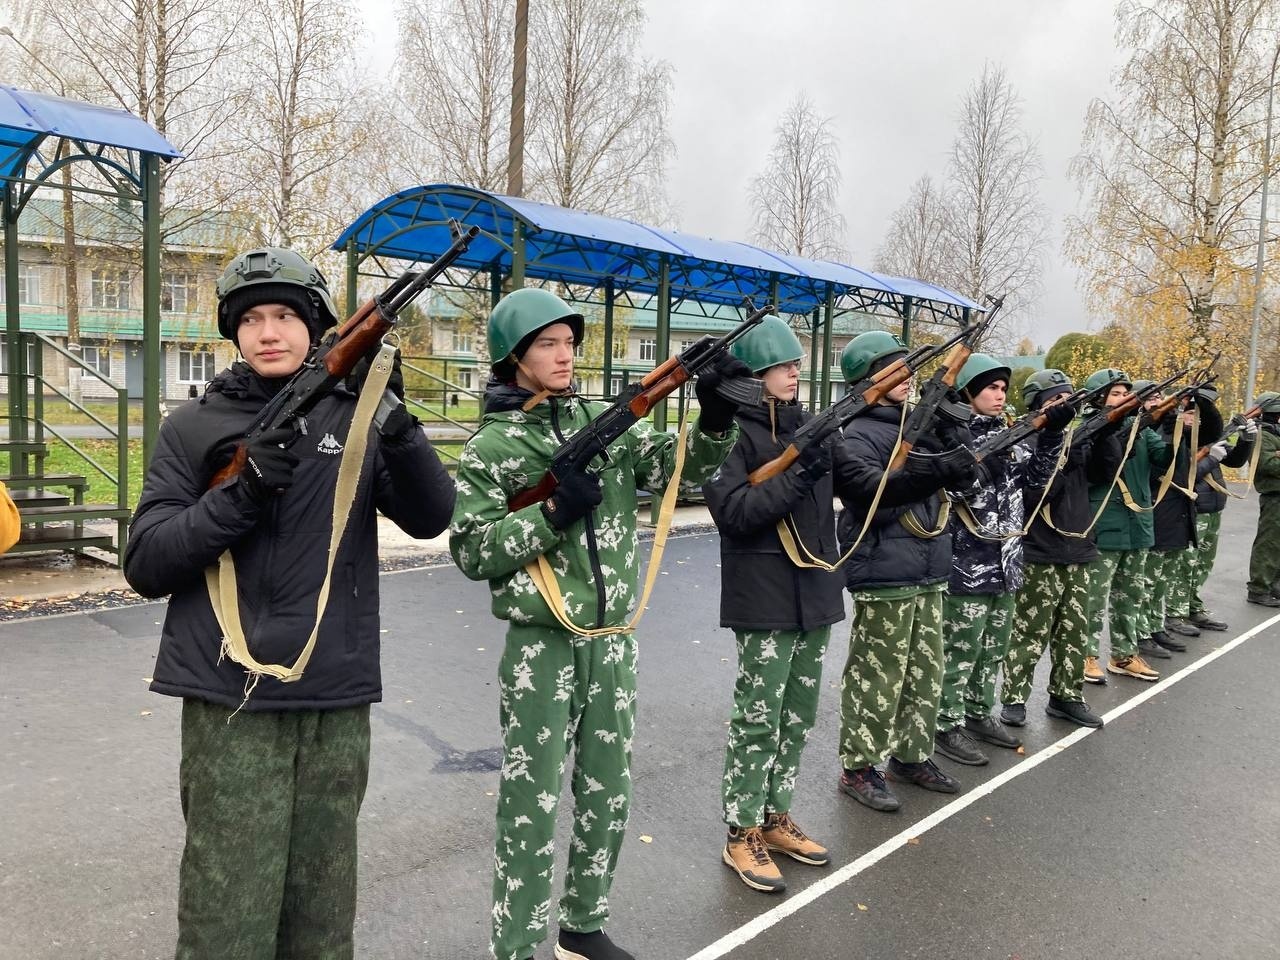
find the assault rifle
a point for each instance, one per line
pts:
(1235, 426)
(632, 404)
(861, 397)
(935, 397)
(339, 352)
(1199, 380)
(1109, 416)
(1032, 423)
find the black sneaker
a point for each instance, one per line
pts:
(1077, 711)
(588, 946)
(1202, 620)
(867, 786)
(924, 774)
(1182, 626)
(1014, 714)
(1264, 599)
(1167, 641)
(954, 745)
(1149, 648)
(986, 728)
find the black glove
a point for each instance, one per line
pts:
(1057, 416)
(576, 495)
(954, 467)
(952, 434)
(717, 412)
(269, 466)
(814, 461)
(360, 372)
(398, 426)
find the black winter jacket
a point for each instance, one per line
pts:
(1091, 462)
(990, 566)
(889, 555)
(760, 588)
(1209, 499)
(280, 548)
(1175, 515)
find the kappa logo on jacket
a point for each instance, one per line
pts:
(328, 444)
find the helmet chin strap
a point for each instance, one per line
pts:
(542, 393)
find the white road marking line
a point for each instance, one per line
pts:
(749, 931)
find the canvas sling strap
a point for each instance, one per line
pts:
(1045, 513)
(544, 577)
(1248, 480)
(221, 580)
(983, 532)
(1166, 480)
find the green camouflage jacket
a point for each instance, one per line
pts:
(1121, 528)
(1268, 477)
(595, 559)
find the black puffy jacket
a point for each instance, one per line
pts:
(1175, 515)
(890, 555)
(1091, 462)
(760, 588)
(280, 548)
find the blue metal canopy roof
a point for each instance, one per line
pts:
(574, 247)
(26, 118)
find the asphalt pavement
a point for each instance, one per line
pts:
(1154, 837)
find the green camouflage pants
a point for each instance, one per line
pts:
(1264, 562)
(775, 702)
(975, 635)
(1208, 531)
(558, 691)
(1159, 567)
(893, 677)
(270, 800)
(1120, 577)
(1180, 573)
(1053, 606)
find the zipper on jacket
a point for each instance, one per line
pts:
(593, 553)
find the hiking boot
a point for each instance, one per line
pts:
(1181, 626)
(1202, 620)
(1149, 648)
(1077, 711)
(867, 786)
(986, 728)
(589, 946)
(746, 853)
(923, 774)
(1264, 599)
(782, 835)
(1093, 671)
(955, 745)
(1014, 714)
(1166, 642)
(1132, 667)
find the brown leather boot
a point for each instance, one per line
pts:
(746, 853)
(783, 835)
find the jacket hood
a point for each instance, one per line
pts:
(501, 396)
(775, 416)
(240, 382)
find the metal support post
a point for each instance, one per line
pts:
(151, 368)
(907, 304)
(517, 254)
(830, 312)
(353, 276)
(813, 359)
(607, 362)
(13, 341)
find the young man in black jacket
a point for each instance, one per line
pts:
(780, 605)
(1053, 604)
(273, 772)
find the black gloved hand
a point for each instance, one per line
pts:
(360, 372)
(576, 495)
(269, 466)
(1057, 417)
(953, 434)
(814, 461)
(398, 426)
(956, 466)
(717, 412)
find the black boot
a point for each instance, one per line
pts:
(1077, 711)
(1149, 648)
(955, 745)
(1181, 625)
(986, 728)
(924, 774)
(1202, 620)
(1014, 715)
(1167, 641)
(588, 946)
(1264, 599)
(867, 786)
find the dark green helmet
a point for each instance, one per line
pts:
(1042, 381)
(274, 275)
(1269, 402)
(980, 371)
(865, 349)
(521, 314)
(1142, 385)
(1107, 375)
(768, 344)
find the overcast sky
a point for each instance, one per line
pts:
(891, 76)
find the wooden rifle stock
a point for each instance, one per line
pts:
(233, 468)
(956, 359)
(527, 498)
(659, 383)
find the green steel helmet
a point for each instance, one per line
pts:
(768, 344)
(274, 275)
(1111, 375)
(979, 371)
(1042, 381)
(521, 314)
(864, 350)
(1209, 393)
(1269, 402)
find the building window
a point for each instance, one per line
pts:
(620, 349)
(462, 339)
(195, 366)
(109, 289)
(465, 378)
(97, 356)
(28, 283)
(580, 349)
(178, 293)
(615, 386)
(686, 344)
(648, 349)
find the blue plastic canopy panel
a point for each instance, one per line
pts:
(27, 117)
(922, 290)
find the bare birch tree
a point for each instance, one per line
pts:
(795, 201)
(916, 242)
(1170, 172)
